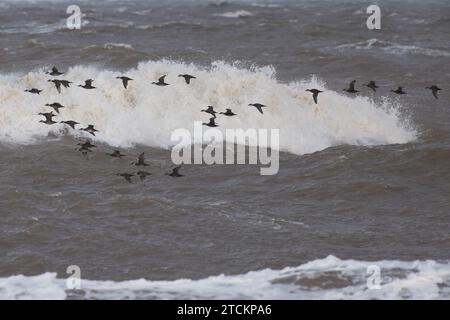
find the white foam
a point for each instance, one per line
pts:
(147, 114)
(235, 14)
(394, 48)
(328, 278)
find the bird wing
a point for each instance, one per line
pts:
(175, 170)
(259, 107)
(58, 86)
(188, 78)
(89, 82)
(435, 93)
(161, 79)
(352, 85)
(211, 121)
(125, 82)
(315, 95)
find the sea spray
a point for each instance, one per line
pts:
(147, 114)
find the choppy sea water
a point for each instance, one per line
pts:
(363, 180)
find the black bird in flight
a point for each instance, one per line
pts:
(116, 154)
(90, 128)
(86, 145)
(372, 86)
(58, 83)
(161, 82)
(48, 117)
(399, 91)
(258, 106)
(125, 81)
(210, 110)
(87, 84)
(351, 87)
(434, 90)
(212, 123)
(175, 173)
(187, 77)
(54, 72)
(315, 93)
(228, 113)
(70, 123)
(141, 161)
(126, 176)
(143, 174)
(55, 105)
(33, 90)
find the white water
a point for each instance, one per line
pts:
(328, 278)
(147, 114)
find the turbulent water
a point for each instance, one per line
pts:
(363, 180)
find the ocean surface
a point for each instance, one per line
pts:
(364, 179)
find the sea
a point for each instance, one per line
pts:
(360, 205)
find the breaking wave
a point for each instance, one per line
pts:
(146, 114)
(328, 278)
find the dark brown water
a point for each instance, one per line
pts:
(363, 179)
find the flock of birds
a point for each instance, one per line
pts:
(372, 85)
(86, 147)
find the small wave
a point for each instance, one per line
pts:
(328, 278)
(266, 5)
(110, 46)
(174, 24)
(235, 14)
(218, 3)
(393, 48)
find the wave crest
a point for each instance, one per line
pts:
(146, 114)
(328, 278)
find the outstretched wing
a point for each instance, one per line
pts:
(352, 85)
(188, 78)
(58, 86)
(161, 79)
(125, 82)
(435, 93)
(259, 107)
(89, 82)
(315, 95)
